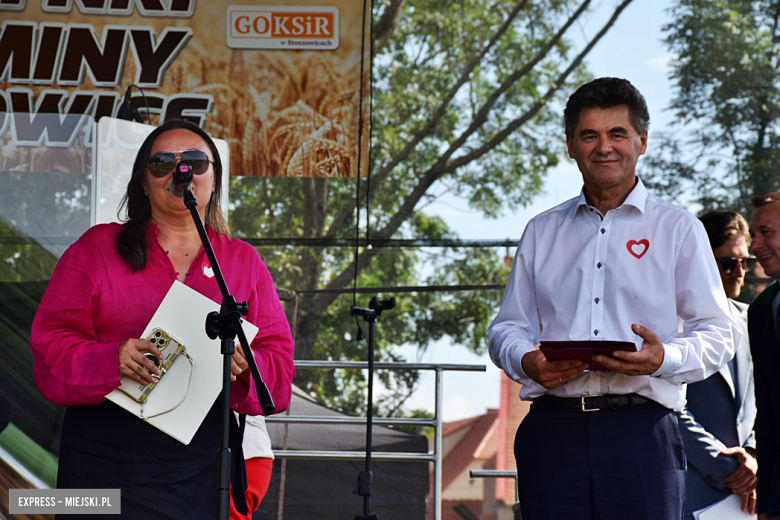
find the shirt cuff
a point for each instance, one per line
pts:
(517, 364)
(671, 363)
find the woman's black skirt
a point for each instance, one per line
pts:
(106, 447)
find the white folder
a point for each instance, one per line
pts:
(730, 508)
(182, 314)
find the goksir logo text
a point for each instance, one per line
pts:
(282, 27)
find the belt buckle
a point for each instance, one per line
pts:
(582, 401)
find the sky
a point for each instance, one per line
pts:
(632, 49)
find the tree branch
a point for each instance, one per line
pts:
(517, 123)
(775, 23)
(385, 27)
(442, 166)
(432, 121)
(442, 108)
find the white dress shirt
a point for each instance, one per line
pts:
(591, 276)
(257, 443)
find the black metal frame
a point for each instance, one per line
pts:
(226, 324)
(370, 315)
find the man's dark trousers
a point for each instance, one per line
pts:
(602, 465)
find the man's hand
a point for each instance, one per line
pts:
(744, 479)
(643, 362)
(551, 374)
(749, 502)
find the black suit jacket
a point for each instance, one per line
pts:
(766, 371)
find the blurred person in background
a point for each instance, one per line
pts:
(259, 463)
(717, 421)
(764, 333)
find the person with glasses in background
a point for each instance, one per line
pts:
(103, 293)
(763, 329)
(717, 422)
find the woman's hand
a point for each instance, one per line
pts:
(133, 363)
(239, 367)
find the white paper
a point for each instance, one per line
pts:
(730, 508)
(182, 314)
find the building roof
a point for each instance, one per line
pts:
(479, 442)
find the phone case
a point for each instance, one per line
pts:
(170, 348)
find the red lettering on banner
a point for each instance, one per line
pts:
(308, 25)
(242, 28)
(268, 24)
(280, 29)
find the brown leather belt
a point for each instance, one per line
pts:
(595, 403)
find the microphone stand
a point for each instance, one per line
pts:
(225, 324)
(375, 308)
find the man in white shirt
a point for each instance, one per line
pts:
(615, 264)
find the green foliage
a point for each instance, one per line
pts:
(44, 205)
(417, 413)
(727, 92)
(37, 460)
(22, 259)
(457, 107)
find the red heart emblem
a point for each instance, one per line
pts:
(638, 249)
(207, 271)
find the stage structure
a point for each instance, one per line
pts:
(284, 87)
(284, 82)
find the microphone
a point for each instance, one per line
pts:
(182, 176)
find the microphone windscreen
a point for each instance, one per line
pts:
(172, 186)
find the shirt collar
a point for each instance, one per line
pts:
(637, 198)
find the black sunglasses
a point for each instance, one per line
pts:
(162, 163)
(729, 264)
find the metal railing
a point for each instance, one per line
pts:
(501, 473)
(436, 422)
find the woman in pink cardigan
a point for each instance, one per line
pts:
(104, 291)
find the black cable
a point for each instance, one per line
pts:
(379, 243)
(401, 289)
(370, 128)
(130, 113)
(360, 164)
(403, 243)
(148, 112)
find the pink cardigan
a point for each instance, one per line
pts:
(94, 302)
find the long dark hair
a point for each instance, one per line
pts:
(131, 240)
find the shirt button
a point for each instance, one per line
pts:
(591, 209)
(596, 300)
(596, 332)
(603, 231)
(598, 265)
